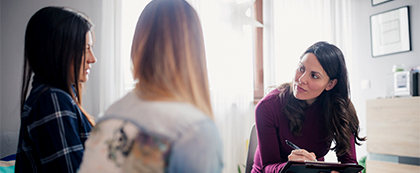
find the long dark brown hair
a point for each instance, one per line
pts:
(340, 116)
(55, 42)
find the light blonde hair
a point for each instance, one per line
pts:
(168, 55)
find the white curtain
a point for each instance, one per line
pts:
(228, 39)
(297, 24)
(111, 82)
(119, 19)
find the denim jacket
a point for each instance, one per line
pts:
(153, 136)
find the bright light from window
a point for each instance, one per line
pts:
(293, 35)
(131, 10)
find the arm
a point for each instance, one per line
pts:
(199, 150)
(55, 132)
(267, 138)
(349, 157)
(104, 148)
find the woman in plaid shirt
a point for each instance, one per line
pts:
(54, 126)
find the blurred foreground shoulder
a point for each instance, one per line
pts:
(199, 150)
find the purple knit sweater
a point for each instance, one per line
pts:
(273, 129)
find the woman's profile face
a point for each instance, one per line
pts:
(310, 79)
(88, 57)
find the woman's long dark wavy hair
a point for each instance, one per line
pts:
(340, 116)
(55, 42)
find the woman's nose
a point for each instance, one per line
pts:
(92, 59)
(302, 79)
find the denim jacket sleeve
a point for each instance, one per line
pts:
(201, 148)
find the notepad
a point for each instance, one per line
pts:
(318, 166)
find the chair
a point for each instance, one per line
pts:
(253, 143)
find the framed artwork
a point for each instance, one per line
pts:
(377, 2)
(390, 32)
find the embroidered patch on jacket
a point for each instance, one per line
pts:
(143, 153)
(149, 154)
(119, 146)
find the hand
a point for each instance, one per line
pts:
(331, 172)
(301, 155)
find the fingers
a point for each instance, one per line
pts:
(301, 155)
(313, 155)
(331, 172)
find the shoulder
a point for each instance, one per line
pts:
(270, 108)
(273, 98)
(205, 129)
(274, 94)
(133, 103)
(201, 141)
(46, 101)
(165, 117)
(50, 94)
(112, 126)
(119, 145)
(201, 136)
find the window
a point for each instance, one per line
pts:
(131, 10)
(258, 55)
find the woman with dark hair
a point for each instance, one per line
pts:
(165, 124)
(312, 112)
(54, 126)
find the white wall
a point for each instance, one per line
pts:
(376, 69)
(15, 15)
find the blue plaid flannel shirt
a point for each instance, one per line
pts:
(52, 133)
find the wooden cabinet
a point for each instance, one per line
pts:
(393, 131)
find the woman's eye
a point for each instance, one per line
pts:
(314, 76)
(300, 69)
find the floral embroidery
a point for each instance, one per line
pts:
(137, 151)
(119, 146)
(149, 154)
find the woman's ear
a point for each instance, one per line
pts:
(331, 84)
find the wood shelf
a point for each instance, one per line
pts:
(393, 128)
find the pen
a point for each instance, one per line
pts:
(294, 146)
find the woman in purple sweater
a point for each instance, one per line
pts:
(311, 112)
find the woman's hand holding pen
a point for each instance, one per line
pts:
(301, 155)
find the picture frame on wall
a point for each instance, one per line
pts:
(390, 32)
(377, 2)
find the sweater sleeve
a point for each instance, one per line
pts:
(351, 156)
(268, 143)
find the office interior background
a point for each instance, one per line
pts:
(288, 27)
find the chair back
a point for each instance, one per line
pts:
(253, 143)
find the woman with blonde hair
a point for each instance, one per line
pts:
(164, 124)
